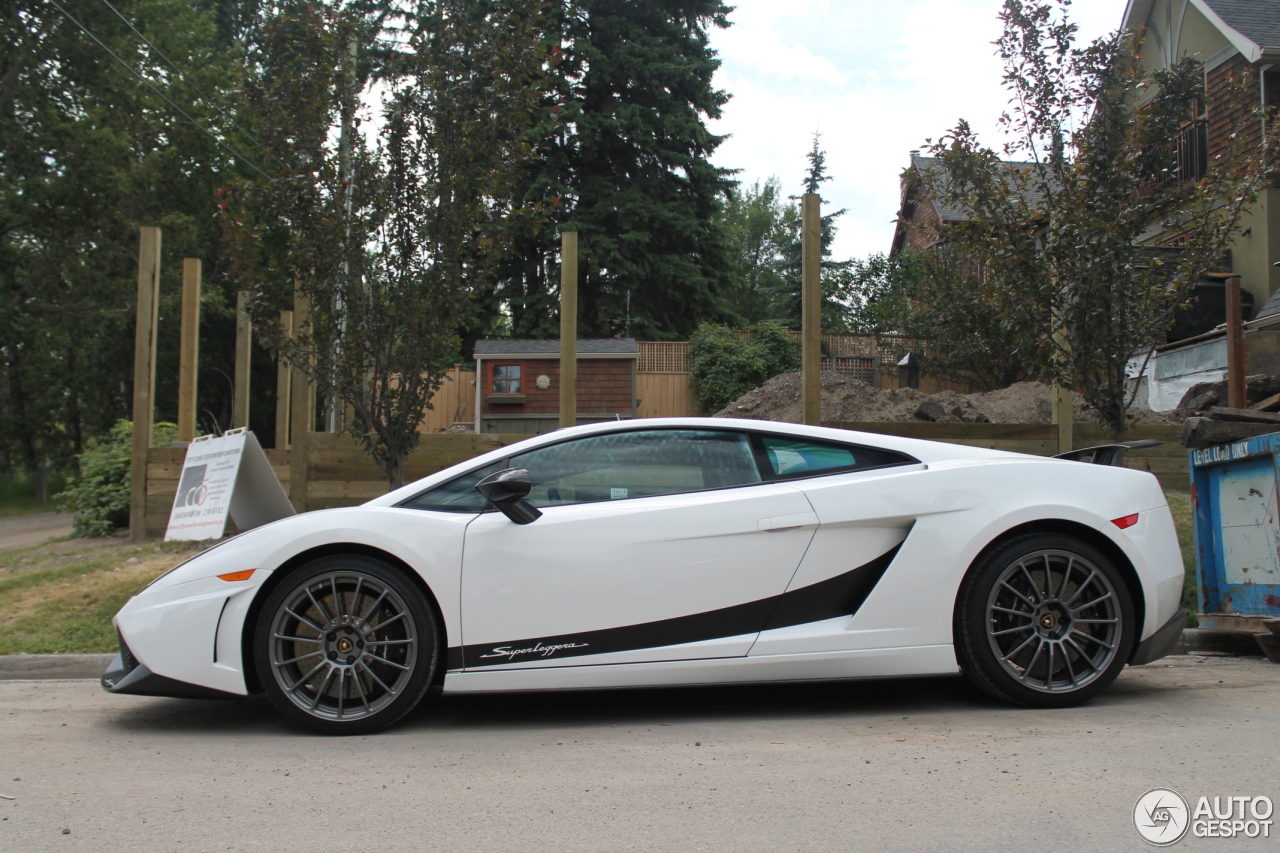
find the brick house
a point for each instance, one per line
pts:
(1228, 37)
(919, 212)
(518, 383)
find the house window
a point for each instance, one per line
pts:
(506, 379)
(1191, 146)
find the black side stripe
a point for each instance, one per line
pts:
(841, 595)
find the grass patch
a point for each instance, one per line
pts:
(1184, 521)
(60, 597)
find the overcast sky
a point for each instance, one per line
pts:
(876, 77)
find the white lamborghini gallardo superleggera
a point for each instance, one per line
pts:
(677, 551)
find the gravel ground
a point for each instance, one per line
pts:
(905, 765)
(24, 531)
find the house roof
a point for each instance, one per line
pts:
(586, 346)
(1271, 308)
(1252, 26)
(924, 175)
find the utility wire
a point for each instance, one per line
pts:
(162, 95)
(181, 73)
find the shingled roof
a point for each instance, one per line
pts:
(586, 346)
(925, 182)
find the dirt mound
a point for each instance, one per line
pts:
(845, 399)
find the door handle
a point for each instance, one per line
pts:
(787, 522)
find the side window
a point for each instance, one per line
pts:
(456, 495)
(506, 379)
(789, 457)
(638, 464)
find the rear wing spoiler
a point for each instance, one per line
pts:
(1108, 454)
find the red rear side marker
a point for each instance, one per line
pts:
(1126, 521)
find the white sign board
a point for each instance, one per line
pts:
(225, 475)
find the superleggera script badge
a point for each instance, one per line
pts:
(537, 649)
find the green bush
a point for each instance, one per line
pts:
(100, 495)
(725, 364)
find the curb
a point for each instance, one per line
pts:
(42, 667)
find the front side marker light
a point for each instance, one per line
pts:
(248, 573)
(1126, 521)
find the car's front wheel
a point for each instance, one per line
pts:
(1044, 620)
(346, 645)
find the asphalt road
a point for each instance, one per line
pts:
(908, 765)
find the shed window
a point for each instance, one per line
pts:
(506, 379)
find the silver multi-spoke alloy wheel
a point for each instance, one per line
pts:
(1053, 621)
(1044, 619)
(343, 646)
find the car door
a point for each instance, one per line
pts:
(653, 544)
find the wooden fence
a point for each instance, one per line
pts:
(338, 473)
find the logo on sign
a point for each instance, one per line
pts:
(192, 490)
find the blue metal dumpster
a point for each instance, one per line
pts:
(1237, 528)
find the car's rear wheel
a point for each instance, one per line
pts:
(346, 645)
(1044, 620)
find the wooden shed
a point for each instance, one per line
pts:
(518, 383)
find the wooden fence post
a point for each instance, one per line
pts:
(283, 376)
(568, 329)
(144, 377)
(811, 308)
(1237, 397)
(1062, 407)
(301, 417)
(244, 352)
(189, 349)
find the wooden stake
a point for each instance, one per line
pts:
(568, 329)
(189, 349)
(301, 417)
(244, 353)
(144, 377)
(1062, 406)
(283, 376)
(1235, 347)
(811, 308)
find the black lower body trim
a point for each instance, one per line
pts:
(125, 674)
(838, 596)
(1162, 642)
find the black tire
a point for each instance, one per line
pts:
(1044, 620)
(346, 645)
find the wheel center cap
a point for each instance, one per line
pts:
(345, 645)
(1048, 620)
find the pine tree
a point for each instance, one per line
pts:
(629, 169)
(787, 296)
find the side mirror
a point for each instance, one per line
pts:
(507, 491)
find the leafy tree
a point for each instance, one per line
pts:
(936, 296)
(628, 168)
(725, 364)
(388, 235)
(1059, 242)
(786, 296)
(89, 151)
(754, 221)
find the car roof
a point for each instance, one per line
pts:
(923, 450)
